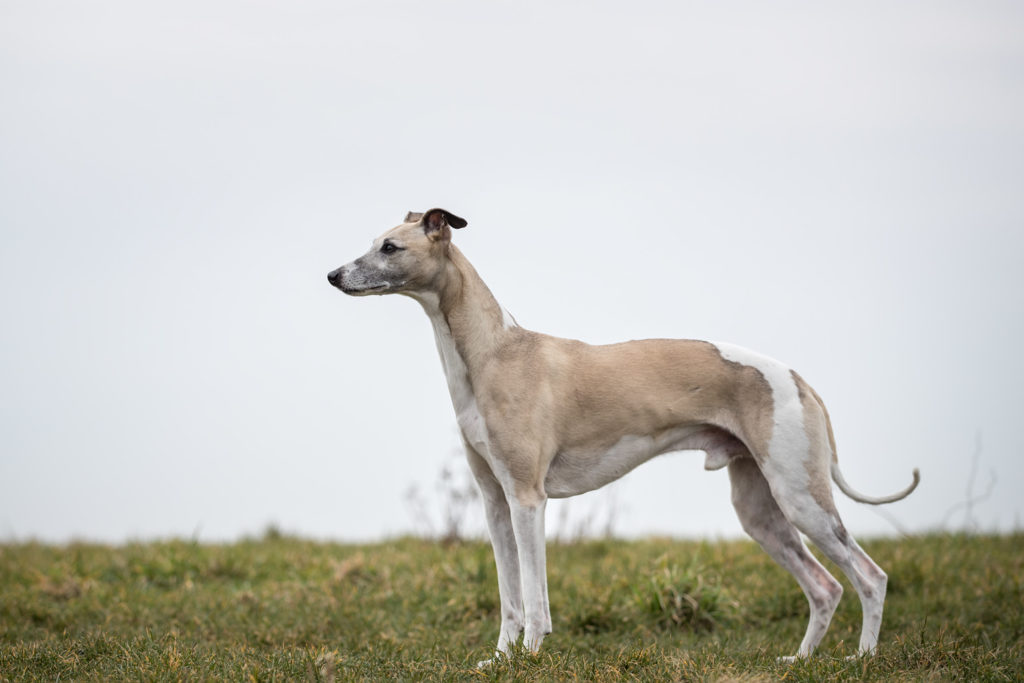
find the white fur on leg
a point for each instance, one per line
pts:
(762, 518)
(829, 535)
(506, 559)
(506, 554)
(873, 601)
(528, 522)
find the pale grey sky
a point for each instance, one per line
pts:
(835, 184)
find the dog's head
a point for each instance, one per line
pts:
(408, 258)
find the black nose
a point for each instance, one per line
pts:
(333, 276)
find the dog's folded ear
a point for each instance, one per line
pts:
(413, 217)
(436, 221)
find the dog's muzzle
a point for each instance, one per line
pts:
(352, 284)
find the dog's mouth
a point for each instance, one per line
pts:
(363, 291)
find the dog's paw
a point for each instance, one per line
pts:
(860, 655)
(493, 661)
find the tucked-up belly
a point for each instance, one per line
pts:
(576, 471)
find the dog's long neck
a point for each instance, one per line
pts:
(469, 324)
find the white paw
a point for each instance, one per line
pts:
(496, 659)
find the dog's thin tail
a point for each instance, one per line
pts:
(837, 477)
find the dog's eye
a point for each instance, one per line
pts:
(388, 248)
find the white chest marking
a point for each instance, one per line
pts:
(507, 320)
(788, 446)
(467, 413)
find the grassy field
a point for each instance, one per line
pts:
(288, 609)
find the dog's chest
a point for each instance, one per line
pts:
(467, 412)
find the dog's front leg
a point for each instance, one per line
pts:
(506, 555)
(528, 523)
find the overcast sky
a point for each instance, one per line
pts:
(838, 185)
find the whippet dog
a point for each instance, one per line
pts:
(543, 417)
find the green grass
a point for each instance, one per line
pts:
(289, 609)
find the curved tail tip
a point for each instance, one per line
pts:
(913, 484)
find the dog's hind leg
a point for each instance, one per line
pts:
(872, 600)
(817, 518)
(762, 518)
(826, 531)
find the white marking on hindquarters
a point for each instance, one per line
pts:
(788, 447)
